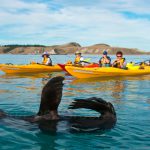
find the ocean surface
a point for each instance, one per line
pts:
(20, 95)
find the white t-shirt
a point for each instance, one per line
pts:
(82, 59)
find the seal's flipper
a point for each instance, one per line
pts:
(51, 95)
(93, 103)
(107, 120)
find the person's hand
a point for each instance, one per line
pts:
(104, 57)
(106, 60)
(114, 63)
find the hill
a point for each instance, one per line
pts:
(69, 48)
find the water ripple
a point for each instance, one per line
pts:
(129, 95)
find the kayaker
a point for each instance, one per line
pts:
(120, 61)
(145, 63)
(105, 60)
(78, 59)
(46, 59)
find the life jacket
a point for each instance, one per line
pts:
(117, 63)
(102, 63)
(45, 60)
(77, 60)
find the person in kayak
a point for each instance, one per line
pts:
(120, 61)
(46, 59)
(79, 59)
(105, 60)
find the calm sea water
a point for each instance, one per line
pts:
(20, 95)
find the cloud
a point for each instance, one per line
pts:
(119, 23)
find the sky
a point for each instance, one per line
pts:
(122, 23)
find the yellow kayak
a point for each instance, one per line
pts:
(2, 65)
(80, 72)
(30, 68)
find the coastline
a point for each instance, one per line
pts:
(67, 49)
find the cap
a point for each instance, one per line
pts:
(105, 53)
(45, 53)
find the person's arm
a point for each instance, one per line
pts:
(107, 59)
(100, 63)
(49, 61)
(123, 63)
(114, 63)
(43, 60)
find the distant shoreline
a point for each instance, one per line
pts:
(69, 48)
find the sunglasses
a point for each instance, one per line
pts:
(119, 56)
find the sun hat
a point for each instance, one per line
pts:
(45, 53)
(77, 52)
(104, 52)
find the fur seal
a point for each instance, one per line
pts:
(48, 116)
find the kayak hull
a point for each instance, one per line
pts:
(80, 72)
(31, 68)
(3, 65)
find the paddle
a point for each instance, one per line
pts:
(143, 61)
(87, 60)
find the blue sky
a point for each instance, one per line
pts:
(123, 23)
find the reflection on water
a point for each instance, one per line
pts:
(4, 91)
(115, 86)
(105, 79)
(27, 75)
(50, 140)
(117, 89)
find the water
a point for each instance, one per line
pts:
(20, 95)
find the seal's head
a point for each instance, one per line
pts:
(51, 95)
